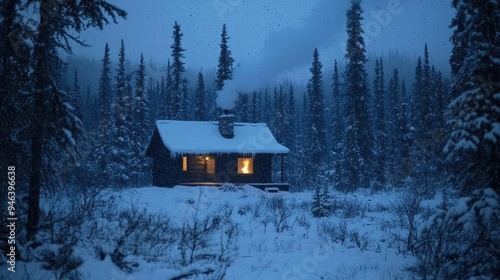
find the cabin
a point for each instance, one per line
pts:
(213, 153)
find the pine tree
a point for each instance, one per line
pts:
(418, 104)
(336, 124)
(290, 118)
(476, 134)
(167, 95)
(122, 156)
(140, 125)
(200, 110)
(225, 66)
(402, 139)
(461, 81)
(254, 113)
(15, 62)
(379, 125)
(321, 202)
(358, 138)
(178, 82)
(76, 97)
(102, 150)
(317, 133)
(427, 98)
(185, 101)
(393, 109)
(56, 126)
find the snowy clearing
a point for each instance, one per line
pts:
(277, 237)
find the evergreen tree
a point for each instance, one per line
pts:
(394, 108)
(200, 110)
(358, 138)
(15, 62)
(316, 125)
(178, 82)
(336, 126)
(290, 118)
(140, 125)
(102, 150)
(426, 113)
(417, 97)
(254, 113)
(379, 125)
(321, 202)
(403, 141)
(243, 108)
(461, 81)
(476, 134)
(122, 151)
(167, 93)
(53, 124)
(225, 66)
(184, 99)
(76, 97)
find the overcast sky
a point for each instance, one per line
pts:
(276, 34)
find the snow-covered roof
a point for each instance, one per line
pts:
(196, 137)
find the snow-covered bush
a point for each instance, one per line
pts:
(199, 240)
(278, 211)
(330, 233)
(406, 209)
(60, 258)
(121, 233)
(462, 242)
(361, 241)
(351, 208)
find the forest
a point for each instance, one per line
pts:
(76, 127)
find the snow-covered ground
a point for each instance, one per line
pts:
(276, 236)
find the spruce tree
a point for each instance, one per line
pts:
(140, 125)
(476, 135)
(418, 97)
(102, 146)
(461, 81)
(76, 97)
(53, 125)
(316, 125)
(200, 110)
(254, 112)
(122, 151)
(393, 109)
(379, 125)
(427, 98)
(358, 138)
(167, 95)
(225, 66)
(290, 118)
(15, 62)
(178, 82)
(336, 125)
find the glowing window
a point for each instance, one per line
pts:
(245, 166)
(184, 163)
(210, 165)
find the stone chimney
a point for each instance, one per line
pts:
(226, 125)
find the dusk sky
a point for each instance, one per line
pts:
(263, 32)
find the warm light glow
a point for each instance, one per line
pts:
(207, 158)
(245, 166)
(184, 164)
(245, 170)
